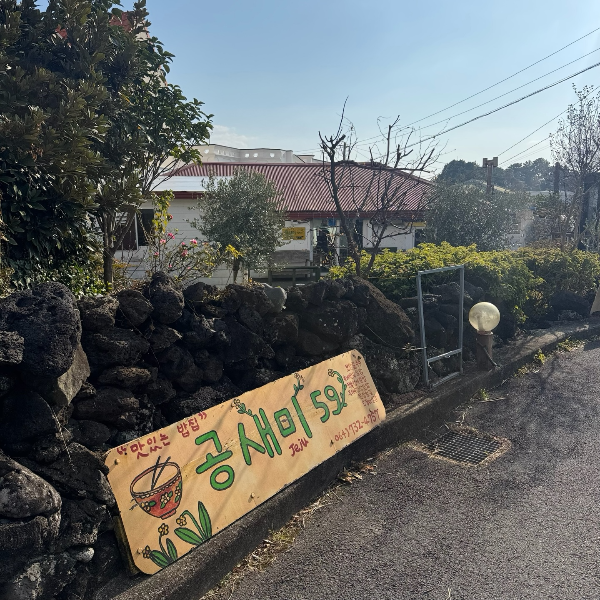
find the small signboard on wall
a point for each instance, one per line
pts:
(176, 487)
(293, 233)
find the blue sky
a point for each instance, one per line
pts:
(274, 74)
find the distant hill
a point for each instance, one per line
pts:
(533, 175)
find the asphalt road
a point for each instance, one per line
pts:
(525, 526)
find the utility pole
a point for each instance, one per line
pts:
(490, 164)
(556, 178)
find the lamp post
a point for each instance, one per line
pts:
(484, 316)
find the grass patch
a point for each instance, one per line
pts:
(482, 395)
(569, 345)
(539, 358)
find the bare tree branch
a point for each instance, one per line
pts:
(385, 189)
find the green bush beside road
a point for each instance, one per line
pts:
(524, 280)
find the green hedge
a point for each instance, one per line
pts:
(523, 279)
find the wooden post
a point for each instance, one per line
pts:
(484, 350)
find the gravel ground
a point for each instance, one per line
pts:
(525, 526)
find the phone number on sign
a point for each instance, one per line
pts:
(356, 426)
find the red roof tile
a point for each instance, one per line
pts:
(305, 191)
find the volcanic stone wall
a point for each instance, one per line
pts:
(78, 378)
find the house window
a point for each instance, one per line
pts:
(144, 225)
(136, 234)
(129, 241)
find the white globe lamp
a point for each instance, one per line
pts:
(484, 317)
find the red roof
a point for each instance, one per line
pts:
(306, 194)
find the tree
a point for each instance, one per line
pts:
(532, 175)
(460, 171)
(465, 214)
(385, 187)
(553, 220)
(88, 127)
(152, 128)
(576, 146)
(49, 117)
(244, 215)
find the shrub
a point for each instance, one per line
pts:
(524, 280)
(573, 271)
(169, 252)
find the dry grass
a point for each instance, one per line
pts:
(569, 345)
(281, 540)
(539, 358)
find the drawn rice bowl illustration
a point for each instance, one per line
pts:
(158, 489)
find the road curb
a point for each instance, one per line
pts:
(200, 570)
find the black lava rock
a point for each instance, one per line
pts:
(47, 319)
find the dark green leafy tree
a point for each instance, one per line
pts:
(465, 214)
(152, 128)
(532, 175)
(50, 97)
(244, 216)
(460, 171)
(88, 126)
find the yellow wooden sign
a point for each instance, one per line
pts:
(178, 486)
(293, 233)
(414, 223)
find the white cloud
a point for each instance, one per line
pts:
(227, 136)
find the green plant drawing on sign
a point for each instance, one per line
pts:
(203, 525)
(241, 408)
(162, 557)
(299, 386)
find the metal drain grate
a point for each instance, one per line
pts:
(464, 448)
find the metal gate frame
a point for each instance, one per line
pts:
(459, 350)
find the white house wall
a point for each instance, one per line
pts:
(400, 241)
(184, 212)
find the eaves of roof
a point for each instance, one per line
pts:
(304, 187)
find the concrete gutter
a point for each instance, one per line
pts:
(200, 570)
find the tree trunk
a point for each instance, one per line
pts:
(107, 256)
(375, 248)
(235, 268)
(108, 270)
(352, 247)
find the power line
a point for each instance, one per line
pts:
(493, 99)
(534, 152)
(495, 110)
(507, 78)
(484, 90)
(544, 125)
(498, 83)
(535, 131)
(526, 150)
